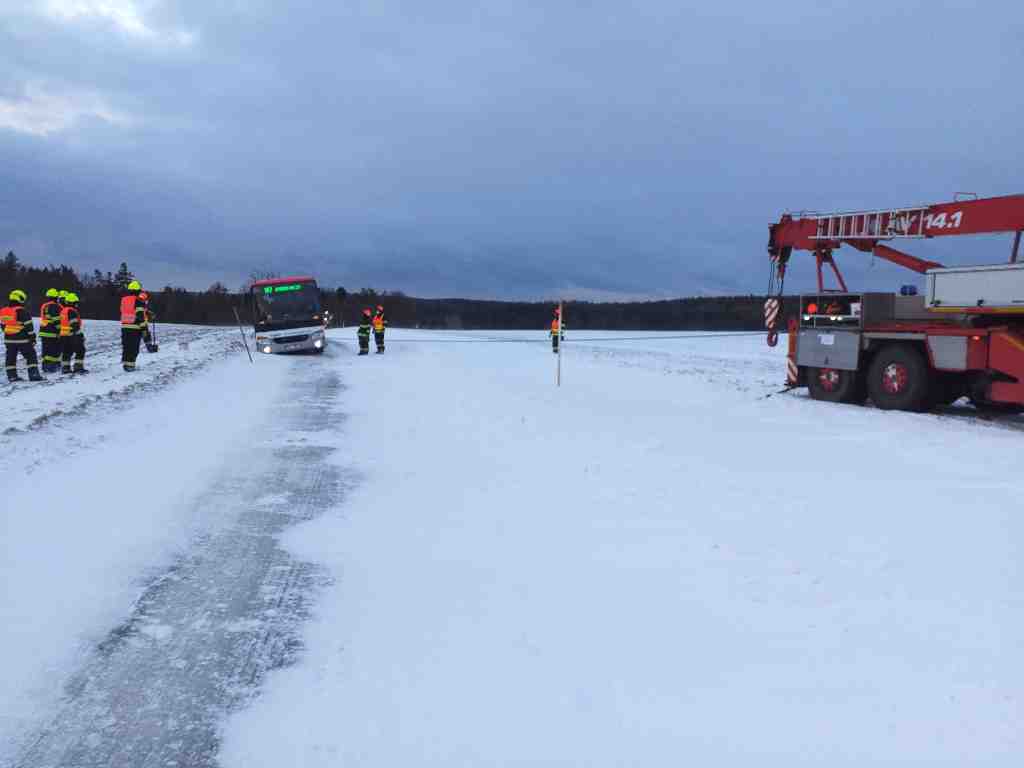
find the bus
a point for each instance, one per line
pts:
(287, 316)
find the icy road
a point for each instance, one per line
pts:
(435, 557)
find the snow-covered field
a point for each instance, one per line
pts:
(435, 557)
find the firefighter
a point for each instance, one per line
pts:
(72, 354)
(364, 332)
(49, 331)
(379, 325)
(19, 337)
(134, 324)
(61, 303)
(557, 331)
(147, 332)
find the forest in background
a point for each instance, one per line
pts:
(100, 294)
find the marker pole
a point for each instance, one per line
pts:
(559, 338)
(244, 340)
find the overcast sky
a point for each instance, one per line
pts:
(509, 149)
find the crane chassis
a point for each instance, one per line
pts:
(963, 338)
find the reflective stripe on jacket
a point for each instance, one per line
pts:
(379, 324)
(364, 328)
(70, 322)
(17, 323)
(49, 320)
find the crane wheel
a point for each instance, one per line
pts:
(899, 379)
(834, 386)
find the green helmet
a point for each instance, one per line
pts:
(18, 295)
(71, 298)
(134, 285)
(52, 293)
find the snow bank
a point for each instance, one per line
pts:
(653, 565)
(184, 350)
(99, 493)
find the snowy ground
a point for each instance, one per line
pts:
(435, 557)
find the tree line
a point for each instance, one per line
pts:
(100, 293)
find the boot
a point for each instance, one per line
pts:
(65, 370)
(364, 351)
(81, 369)
(13, 377)
(33, 375)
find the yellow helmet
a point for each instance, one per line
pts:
(52, 293)
(134, 285)
(18, 295)
(71, 298)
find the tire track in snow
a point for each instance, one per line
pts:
(203, 634)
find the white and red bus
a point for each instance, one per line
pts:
(287, 316)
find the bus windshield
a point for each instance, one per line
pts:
(286, 305)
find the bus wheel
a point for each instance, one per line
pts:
(898, 379)
(832, 385)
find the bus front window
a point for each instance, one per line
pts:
(283, 303)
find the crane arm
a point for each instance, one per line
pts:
(865, 229)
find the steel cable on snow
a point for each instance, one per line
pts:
(547, 340)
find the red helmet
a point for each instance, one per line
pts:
(367, 311)
(558, 310)
(380, 307)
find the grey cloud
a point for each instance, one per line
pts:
(506, 149)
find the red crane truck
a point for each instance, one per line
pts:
(963, 337)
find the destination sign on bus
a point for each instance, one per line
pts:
(283, 288)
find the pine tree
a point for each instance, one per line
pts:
(10, 267)
(123, 276)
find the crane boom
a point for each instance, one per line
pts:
(866, 230)
(814, 232)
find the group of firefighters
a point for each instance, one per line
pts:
(61, 332)
(374, 322)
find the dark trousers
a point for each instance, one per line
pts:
(72, 354)
(130, 340)
(378, 336)
(51, 353)
(26, 350)
(364, 344)
(554, 342)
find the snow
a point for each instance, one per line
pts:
(662, 562)
(654, 565)
(100, 475)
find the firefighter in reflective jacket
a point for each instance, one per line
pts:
(72, 353)
(557, 331)
(19, 337)
(379, 325)
(147, 332)
(364, 332)
(134, 324)
(49, 331)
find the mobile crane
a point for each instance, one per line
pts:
(964, 337)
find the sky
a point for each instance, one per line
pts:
(528, 150)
